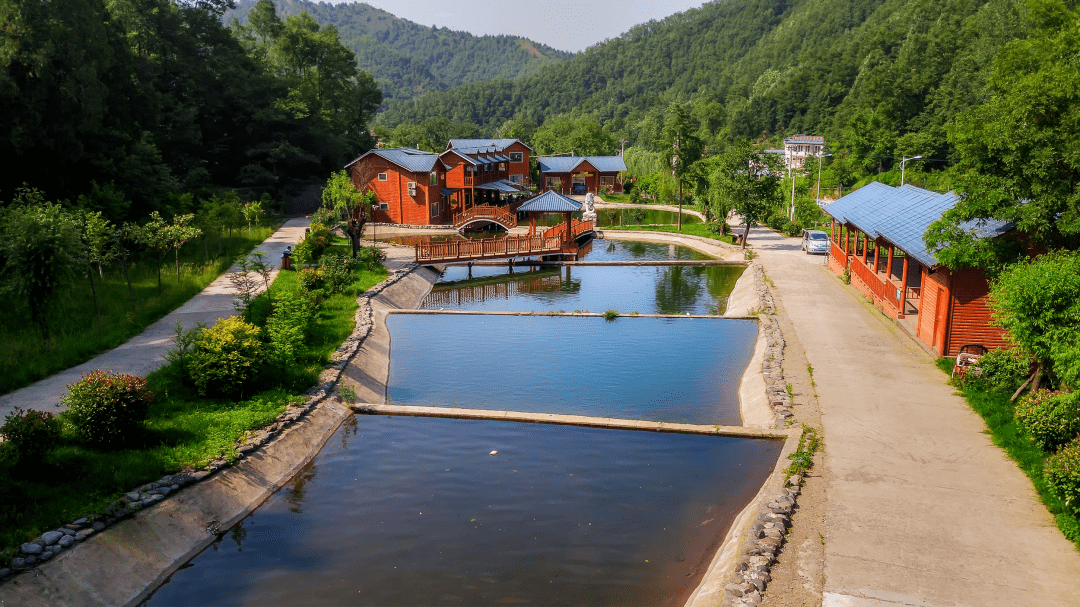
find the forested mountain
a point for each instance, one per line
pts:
(408, 59)
(877, 76)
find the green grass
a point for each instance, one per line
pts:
(78, 337)
(693, 229)
(997, 412)
(183, 431)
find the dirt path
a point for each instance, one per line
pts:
(919, 507)
(145, 352)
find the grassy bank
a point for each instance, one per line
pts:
(77, 334)
(693, 229)
(183, 431)
(997, 412)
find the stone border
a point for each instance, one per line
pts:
(53, 542)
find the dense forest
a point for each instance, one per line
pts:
(408, 59)
(153, 99)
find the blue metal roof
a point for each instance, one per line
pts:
(550, 202)
(462, 155)
(902, 215)
(565, 164)
(498, 144)
(416, 161)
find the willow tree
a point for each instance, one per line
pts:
(352, 207)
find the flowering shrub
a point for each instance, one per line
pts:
(108, 409)
(1062, 473)
(225, 357)
(1051, 419)
(310, 279)
(28, 435)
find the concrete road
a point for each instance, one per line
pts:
(921, 508)
(145, 352)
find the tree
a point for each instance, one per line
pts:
(39, 246)
(352, 206)
(253, 212)
(1037, 301)
(582, 135)
(1017, 150)
(179, 232)
(747, 181)
(95, 240)
(680, 136)
(155, 236)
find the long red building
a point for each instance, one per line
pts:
(877, 237)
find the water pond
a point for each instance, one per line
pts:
(414, 511)
(659, 369)
(613, 218)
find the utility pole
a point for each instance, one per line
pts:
(905, 159)
(817, 195)
(675, 174)
(791, 172)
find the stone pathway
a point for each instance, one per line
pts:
(921, 508)
(145, 352)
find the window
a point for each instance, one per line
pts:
(554, 182)
(382, 176)
(434, 178)
(607, 180)
(383, 206)
(517, 157)
(502, 166)
(435, 208)
(517, 179)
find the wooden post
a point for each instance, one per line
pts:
(877, 250)
(903, 289)
(832, 232)
(566, 237)
(865, 246)
(888, 270)
(532, 224)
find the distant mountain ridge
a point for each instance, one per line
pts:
(408, 59)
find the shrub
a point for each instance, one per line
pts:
(1051, 419)
(1003, 369)
(1062, 473)
(777, 222)
(225, 357)
(336, 272)
(288, 327)
(792, 229)
(29, 435)
(310, 280)
(371, 257)
(108, 409)
(311, 248)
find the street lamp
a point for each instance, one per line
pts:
(905, 159)
(817, 194)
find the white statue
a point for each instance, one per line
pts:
(590, 209)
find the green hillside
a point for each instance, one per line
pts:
(408, 59)
(762, 67)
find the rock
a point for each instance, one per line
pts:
(83, 534)
(31, 548)
(18, 563)
(135, 506)
(164, 491)
(51, 537)
(98, 526)
(734, 589)
(198, 475)
(30, 561)
(68, 532)
(109, 522)
(80, 521)
(66, 541)
(4, 572)
(48, 554)
(132, 496)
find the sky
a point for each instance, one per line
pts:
(562, 24)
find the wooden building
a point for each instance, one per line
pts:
(877, 237)
(581, 174)
(408, 183)
(485, 172)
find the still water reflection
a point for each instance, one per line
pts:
(413, 511)
(677, 370)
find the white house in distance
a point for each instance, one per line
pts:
(798, 148)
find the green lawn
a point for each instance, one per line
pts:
(78, 336)
(997, 412)
(693, 229)
(183, 431)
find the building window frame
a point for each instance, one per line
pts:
(517, 178)
(517, 157)
(382, 177)
(434, 179)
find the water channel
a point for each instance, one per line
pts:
(413, 511)
(403, 510)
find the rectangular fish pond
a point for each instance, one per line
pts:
(684, 370)
(414, 511)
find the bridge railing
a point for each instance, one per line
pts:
(487, 248)
(577, 229)
(502, 215)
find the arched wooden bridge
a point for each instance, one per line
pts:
(554, 241)
(482, 215)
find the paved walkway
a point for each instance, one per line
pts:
(921, 508)
(145, 352)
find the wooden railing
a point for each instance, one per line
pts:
(487, 248)
(501, 215)
(838, 254)
(468, 180)
(577, 229)
(871, 280)
(914, 293)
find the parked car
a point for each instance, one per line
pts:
(815, 241)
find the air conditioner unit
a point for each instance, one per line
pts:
(412, 188)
